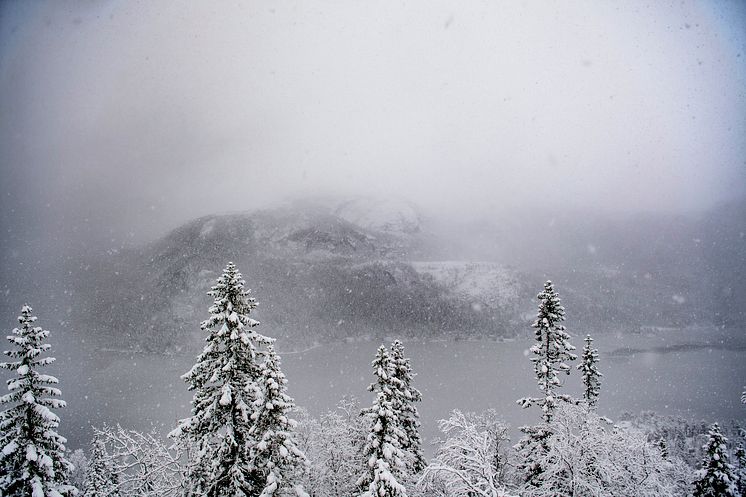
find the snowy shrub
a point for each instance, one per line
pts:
(129, 463)
(472, 460)
(587, 456)
(76, 477)
(333, 444)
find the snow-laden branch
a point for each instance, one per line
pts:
(471, 460)
(141, 464)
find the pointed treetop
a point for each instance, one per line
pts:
(232, 305)
(550, 307)
(381, 368)
(26, 311)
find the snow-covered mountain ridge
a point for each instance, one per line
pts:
(319, 275)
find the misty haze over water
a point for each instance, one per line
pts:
(378, 171)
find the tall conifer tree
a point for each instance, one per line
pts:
(551, 352)
(383, 448)
(716, 478)
(32, 453)
(277, 461)
(402, 374)
(226, 390)
(591, 376)
(741, 469)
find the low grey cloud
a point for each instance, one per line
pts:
(125, 118)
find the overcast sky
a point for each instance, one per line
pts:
(134, 116)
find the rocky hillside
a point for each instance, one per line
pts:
(316, 275)
(332, 270)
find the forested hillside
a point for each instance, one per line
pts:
(401, 271)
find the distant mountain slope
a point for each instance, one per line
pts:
(328, 271)
(316, 275)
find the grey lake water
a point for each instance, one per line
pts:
(695, 373)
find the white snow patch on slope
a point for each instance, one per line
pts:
(207, 228)
(486, 282)
(391, 215)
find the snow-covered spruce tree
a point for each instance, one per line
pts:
(717, 477)
(741, 469)
(550, 352)
(225, 384)
(663, 446)
(100, 478)
(383, 447)
(532, 452)
(591, 376)
(277, 461)
(32, 453)
(403, 375)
